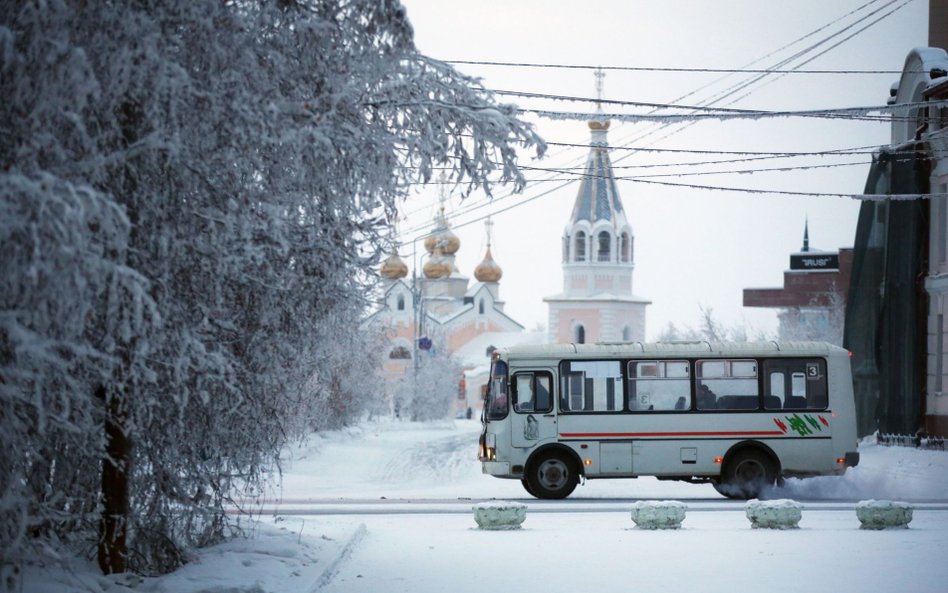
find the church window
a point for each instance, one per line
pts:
(580, 334)
(400, 305)
(400, 353)
(480, 306)
(627, 334)
(624, 246)
(605, 243)
(580, 246)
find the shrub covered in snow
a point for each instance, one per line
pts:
(883, 514)
(500, 514)
(774, 514)
(658, 514)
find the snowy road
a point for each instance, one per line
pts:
(387, 507)
(407, 494)
(713, 552)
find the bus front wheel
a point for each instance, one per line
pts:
(551, 477)
(747, 474)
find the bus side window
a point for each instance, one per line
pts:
(591, 386)
(797, 399)
(774, 401)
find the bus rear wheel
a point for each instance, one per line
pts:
(551, 477)
(747, 474)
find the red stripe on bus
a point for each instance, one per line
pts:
(673, 434)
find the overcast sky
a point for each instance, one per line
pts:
(693, 247)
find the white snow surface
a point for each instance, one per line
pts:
(584, 543)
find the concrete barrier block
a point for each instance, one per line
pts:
(883, 514)
(658, 514)
(774, 514)
(499, 515)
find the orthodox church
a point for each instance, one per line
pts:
(597, 303)
(441, 311)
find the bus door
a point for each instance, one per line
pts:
(533, 419)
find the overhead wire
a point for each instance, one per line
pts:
(719, 96)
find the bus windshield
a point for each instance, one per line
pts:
(497, 391)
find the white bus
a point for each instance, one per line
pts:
(738, 415)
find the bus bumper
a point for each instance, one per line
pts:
(495, 468)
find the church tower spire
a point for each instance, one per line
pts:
(597, 302)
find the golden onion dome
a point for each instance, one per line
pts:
(437, 266)
(431, 241)
(488, 270)
(599, 124)
(393, 268)
(449, 242)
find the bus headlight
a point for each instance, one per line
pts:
(491, 443)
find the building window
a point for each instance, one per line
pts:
(624, 246)
(605, 244)
(400, 305)
(580, 246)
(580, 337)
(565, 249)
(627, 334)
(480, 306)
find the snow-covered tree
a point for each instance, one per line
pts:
(823, 321)
(429, 389)
(709, 328)
(191, 194)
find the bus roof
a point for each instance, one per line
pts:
(662, 349)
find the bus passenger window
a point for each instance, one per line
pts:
(659, 386)
(797, 399)
(774, 401)
(727, 384)
(592, 386)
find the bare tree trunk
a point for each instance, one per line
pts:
(113, 528)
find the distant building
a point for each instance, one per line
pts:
(440, 311)
(597, 303)
(812, 300)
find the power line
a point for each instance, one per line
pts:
(870, 197)
(845, 113)
(722, 95)
(665, 69)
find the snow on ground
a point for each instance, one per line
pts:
(581, 544)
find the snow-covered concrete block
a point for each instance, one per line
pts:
(500, 514)
(883, 514)
(658, 514)
(774, 514)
